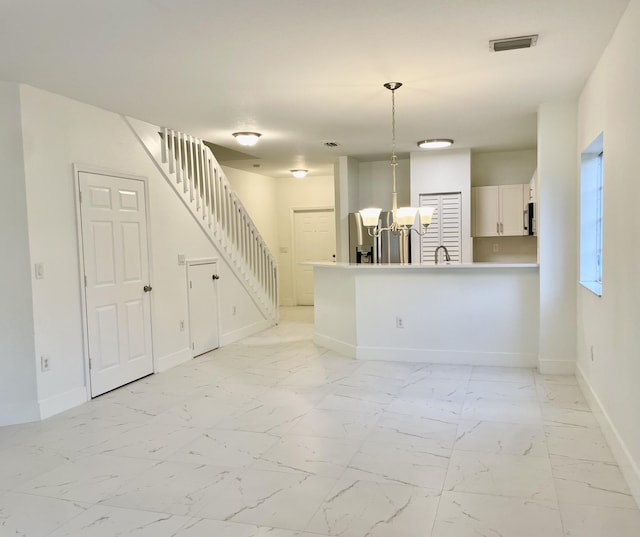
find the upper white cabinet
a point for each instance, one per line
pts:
(499, 210)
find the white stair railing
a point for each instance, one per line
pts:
(200, 179)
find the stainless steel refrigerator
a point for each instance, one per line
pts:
(365, 249)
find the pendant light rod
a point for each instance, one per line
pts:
(393, 86)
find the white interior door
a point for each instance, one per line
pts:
(315, 240)
(203, 307)
(116, 267)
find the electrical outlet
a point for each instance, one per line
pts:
(399, 322)
(181, 324)
(181, 259)
(496, 247)
(45, 363)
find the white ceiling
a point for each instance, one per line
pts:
(304, 72)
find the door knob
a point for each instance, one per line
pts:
(147, 288)
(215, 277)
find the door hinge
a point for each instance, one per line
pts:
(90, 363)
(85, 281)
(193, 346)
(190, 284)
(80, 196)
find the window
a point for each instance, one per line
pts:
(591, 216)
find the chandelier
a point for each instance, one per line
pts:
(404, 218)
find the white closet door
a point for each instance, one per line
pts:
(431, 240)
(451, 226)
(445, 228)
(203, 307)
(116, 266)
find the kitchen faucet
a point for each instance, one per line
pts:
(447, 257)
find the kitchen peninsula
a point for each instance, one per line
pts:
(475, 313)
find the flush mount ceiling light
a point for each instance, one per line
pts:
(512, 43)
(247, 138)
(435, 143)
(299, 174)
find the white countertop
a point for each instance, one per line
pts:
(440, 266)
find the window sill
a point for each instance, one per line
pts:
(594, 287)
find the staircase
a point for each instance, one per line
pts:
(194, 173)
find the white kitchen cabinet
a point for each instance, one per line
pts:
(499, 210)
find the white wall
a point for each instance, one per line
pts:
(375, 184)
(451, 314)
(258, 195)
(502, 167)
(335, 309)
(18, 391)
(444, 171)
(58, 132)
(557, 235)
(510, 249)
(346, 199)
(610, 324)
(291, 193)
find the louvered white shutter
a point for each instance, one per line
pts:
(445, 228)
(431, 239)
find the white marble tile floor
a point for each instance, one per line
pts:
(274, 436)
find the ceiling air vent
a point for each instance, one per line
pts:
(512, 43)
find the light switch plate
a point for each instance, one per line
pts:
(39, 271)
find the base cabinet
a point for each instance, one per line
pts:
(499, 211)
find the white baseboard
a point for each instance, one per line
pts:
(19, 413)
(346, 349)
(630, 468)
(171, 360)
(245, 331)
(504, 359)
(556, 367)
(63, 401)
